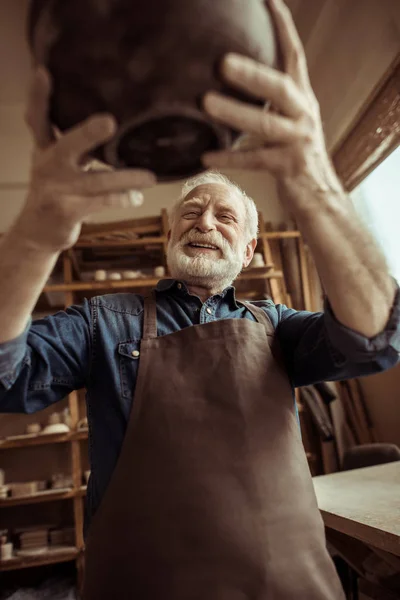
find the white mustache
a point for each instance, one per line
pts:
(213, 238)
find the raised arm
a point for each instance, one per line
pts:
(350, 263)
(60, 196)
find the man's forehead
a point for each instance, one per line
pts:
(214, 192)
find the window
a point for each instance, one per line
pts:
(377, 199)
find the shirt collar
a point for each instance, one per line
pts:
(179, 287)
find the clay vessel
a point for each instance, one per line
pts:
(148, 62)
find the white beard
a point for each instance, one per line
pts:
(215, 273)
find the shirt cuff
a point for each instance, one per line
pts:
(353, 345)
(11, 356)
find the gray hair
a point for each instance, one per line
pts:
(216, 177)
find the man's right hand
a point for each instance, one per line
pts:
(61, 194)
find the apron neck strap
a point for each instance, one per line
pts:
(260, 316)
(150, 317)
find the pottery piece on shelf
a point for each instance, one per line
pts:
(59, 481)
(100, 275)
(131, 274)
(115, 276)
(64, 536)
(149, 63)
(32, 428)
(56, 537)
(4, 489)
(6, 551)
(2, 477)
(54, 418)
(69, 536)
(257, 261)
(159, 271)
(28, 488)
(56, 428)
(66, 417)
(82, 424)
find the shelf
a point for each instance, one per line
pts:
(260, 273)
(42, 439)
(280, 235)
(39, 497)
(52, 556)
(81, 492)
(78, 286)
(146, 241)
(160, 240)
(46, 496)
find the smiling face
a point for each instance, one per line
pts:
(208, 243)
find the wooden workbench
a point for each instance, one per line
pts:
(361, 512)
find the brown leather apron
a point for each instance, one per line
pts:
(212, 497)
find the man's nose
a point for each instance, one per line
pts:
(205, 222)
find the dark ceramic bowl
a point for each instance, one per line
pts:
(149, 63)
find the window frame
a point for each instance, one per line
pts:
(375, 133)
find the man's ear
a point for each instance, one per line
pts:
(249, 252)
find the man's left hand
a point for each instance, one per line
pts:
(292, 145)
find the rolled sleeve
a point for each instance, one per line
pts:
(11, 357)
(317, 347)
(47, 361)
(357, 348)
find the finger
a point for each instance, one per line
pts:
(85, 137)
(264, 83)
(102, 183)
(290, 43)
(243, 117)
(37, 111)
(131, 199)
(271, 159)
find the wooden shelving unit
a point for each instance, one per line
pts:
(138, 244)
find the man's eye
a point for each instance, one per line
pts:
(191, 215)
(225, 218)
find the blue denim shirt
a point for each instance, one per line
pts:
(90, 346)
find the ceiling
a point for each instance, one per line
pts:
(349, 47)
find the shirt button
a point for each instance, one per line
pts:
(209, 311)
(179, 286)
(135, 353)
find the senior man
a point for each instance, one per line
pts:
(200, 487)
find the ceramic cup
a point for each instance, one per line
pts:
(258, 260)
(33, 428)
(159, 271)
(115, 276)
(6, 551)
(100, 275)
